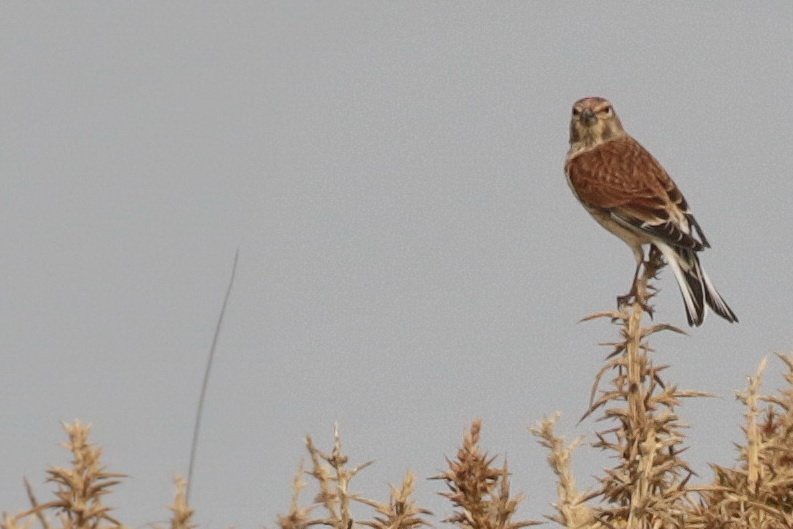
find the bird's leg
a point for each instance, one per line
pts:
(634, 293)
(625, 299)
(654, 263)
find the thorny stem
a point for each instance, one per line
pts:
(637, 390)
(338, 461)
(751, 400)
(647, 486)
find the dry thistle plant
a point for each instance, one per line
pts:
(400, 512)
(758, 493)
(79, 491)
(181, 512)
(333, 476)
(298, 517)
(572, 508)
(480, 490)
(648, 486)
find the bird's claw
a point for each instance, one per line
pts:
(624, 300)
(630, 298)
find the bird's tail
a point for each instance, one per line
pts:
(695, 286)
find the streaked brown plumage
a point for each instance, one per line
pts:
(628, 192)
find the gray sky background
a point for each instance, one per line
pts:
(411, 256)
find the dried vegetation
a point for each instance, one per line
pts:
(649, 485)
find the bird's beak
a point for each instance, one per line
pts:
(587, 116)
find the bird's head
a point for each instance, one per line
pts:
(593, 122)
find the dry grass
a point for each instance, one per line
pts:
(648, 486)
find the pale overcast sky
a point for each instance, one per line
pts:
(411, 255)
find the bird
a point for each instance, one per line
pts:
(630, 194)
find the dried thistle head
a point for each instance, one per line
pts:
(332, 476)
(756, 492)
(298, 516)
(80, 487)
(181, 512)
(401, 511)
(478, 489)
(572, 509)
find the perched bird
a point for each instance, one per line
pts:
(628, 192)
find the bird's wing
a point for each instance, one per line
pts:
(621, 177)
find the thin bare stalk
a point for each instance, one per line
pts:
(205, 383)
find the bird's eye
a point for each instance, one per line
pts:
(607, 111)
(576, 111)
